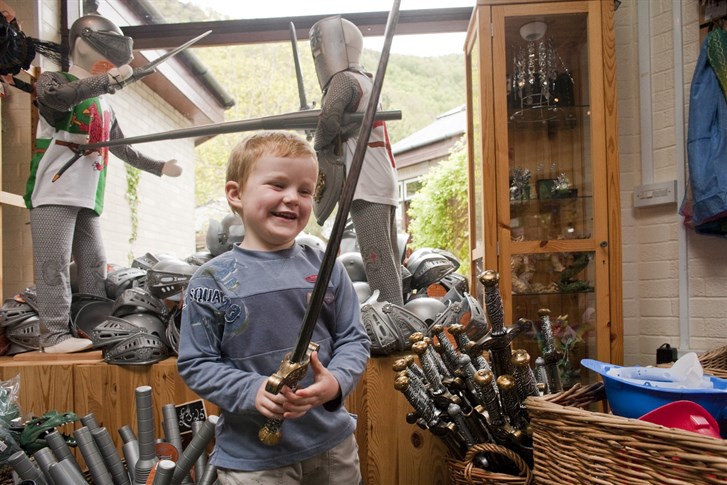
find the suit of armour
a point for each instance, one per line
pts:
(64, 214)
(373, 209)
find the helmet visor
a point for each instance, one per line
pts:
(114, 47)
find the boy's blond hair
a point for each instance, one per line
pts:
(249, 150)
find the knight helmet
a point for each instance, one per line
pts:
(336, 44)
(104, 36)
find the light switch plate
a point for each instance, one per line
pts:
(655, 194)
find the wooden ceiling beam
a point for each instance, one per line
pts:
(253, 31)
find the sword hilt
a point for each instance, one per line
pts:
(289, 374)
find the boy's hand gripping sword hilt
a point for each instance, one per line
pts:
(289, 374)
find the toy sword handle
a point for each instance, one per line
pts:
(298, 357)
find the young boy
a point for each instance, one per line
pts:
(243, 312)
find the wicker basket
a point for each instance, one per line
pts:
(576, 446)
(464, 472)
(714, 362)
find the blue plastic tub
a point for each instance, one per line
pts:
(633, 401)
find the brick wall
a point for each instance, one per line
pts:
(651, 254)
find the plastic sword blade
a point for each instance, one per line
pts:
(149, 68)
(298, 70)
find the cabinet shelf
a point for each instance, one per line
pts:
(566, 117)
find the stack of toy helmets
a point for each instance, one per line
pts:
(136, 331)
(19, 324)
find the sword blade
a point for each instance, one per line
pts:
(149, 68)
(298, 70)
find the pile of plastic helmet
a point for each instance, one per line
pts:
(137, 321)
(430, 286)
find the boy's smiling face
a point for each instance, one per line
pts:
(275, 202)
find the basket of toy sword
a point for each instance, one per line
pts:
(714, 362)
(572, 444)
(467, 385)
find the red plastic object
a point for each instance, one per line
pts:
(686, 415)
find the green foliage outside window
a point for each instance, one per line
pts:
(438, 212)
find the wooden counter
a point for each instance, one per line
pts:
(391, 450)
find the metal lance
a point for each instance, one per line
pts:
(297, 120)
(294, 365)
(523, 374)
(499, 341)
(551, 356)
(301, 120)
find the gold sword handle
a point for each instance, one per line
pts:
(289, 373)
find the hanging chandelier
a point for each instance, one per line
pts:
(540, 82)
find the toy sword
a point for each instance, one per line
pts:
(298, 71)
(151, 67)
(295, 364)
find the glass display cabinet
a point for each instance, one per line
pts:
(544, 173)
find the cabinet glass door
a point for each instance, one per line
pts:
(544, 109)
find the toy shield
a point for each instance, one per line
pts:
(331, 177)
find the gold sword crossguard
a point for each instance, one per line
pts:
(289, 374)
(295, 365)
